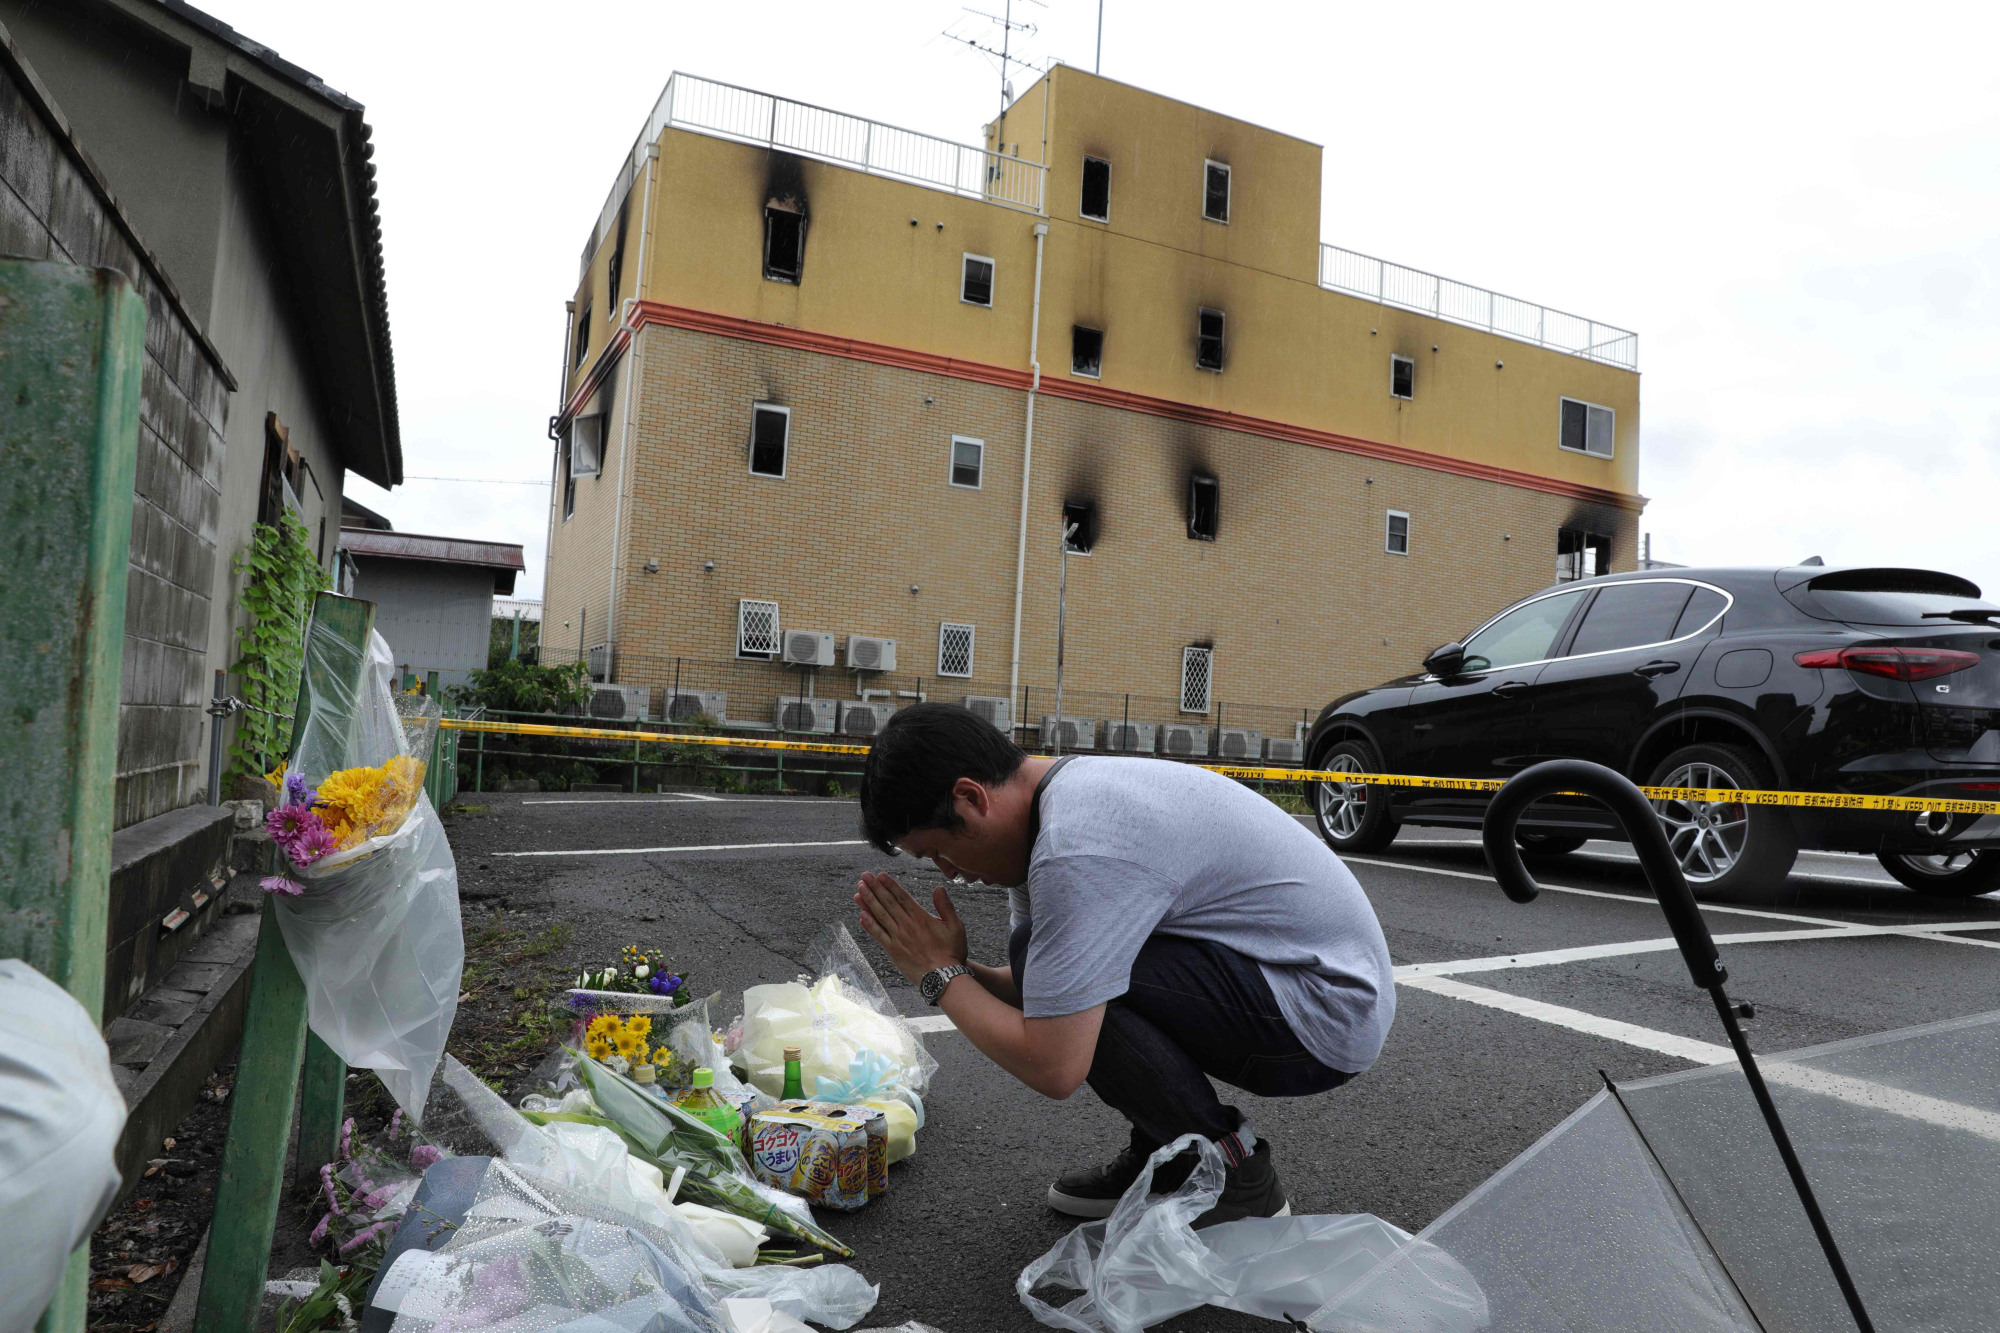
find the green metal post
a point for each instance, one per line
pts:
(322, 1103)
(72, 351)
(260, 1129)
(479, 762)
(274, 1040)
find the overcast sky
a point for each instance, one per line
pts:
(1794, 205)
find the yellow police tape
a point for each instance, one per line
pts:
(1812, 800)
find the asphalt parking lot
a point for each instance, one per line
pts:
(1506, 1013)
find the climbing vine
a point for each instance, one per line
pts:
(280, 575)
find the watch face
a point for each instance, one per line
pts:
(932, 987)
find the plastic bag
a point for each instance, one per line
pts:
(595, 1162)
(838, 1016)
(1145, 1263)
(375, 931)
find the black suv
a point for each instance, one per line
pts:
(1883, 681)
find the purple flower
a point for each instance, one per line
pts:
(395, 1124)
(661, 984)
(290, 888)
(423, 1156)
(319, 1232)
(362, 1237)
(288, 821)
(374, 1198)
(310, 845)
(347, 1140)
(296, 791)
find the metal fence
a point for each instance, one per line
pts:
(1475, 307)
(727, 111)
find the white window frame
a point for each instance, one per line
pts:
(951, 463)
(1084, 374)
(1223, 349)
(1228, 190)
(744, 648)
(1409, 361)
(992, 279)
(786, 413)
(971, 640)
(1389, 532)
(1611, 430)
(1106, 215)
(1206, 656)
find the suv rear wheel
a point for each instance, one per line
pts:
(1945, 874)
(1724, 845)
(1352, 818)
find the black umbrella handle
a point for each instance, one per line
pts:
(1663, 873)
(1642, 826)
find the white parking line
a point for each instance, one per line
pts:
(932, 1023)
(1586, 952)
(1914, 927)
(1576, 1020)
(688, 799)
(710, 847)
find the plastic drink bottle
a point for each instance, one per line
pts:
(706, 1105)
(795, 1084)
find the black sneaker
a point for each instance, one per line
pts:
(1093, 1191)
(1249, 1190)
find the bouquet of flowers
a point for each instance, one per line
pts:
(646, 972)
(368, 903)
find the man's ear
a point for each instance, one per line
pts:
(974, 796)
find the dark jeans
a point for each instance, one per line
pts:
(1195, 1011)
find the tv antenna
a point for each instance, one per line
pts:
(1008, 26)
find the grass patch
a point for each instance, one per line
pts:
(506, 1022)
(1291, 802)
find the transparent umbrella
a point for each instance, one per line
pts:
(1849, 1186)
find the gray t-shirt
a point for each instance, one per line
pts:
(1133, 847)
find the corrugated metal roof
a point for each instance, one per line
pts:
(439, 550)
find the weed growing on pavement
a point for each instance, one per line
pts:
(1291, 802)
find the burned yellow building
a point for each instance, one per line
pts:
(834, 391)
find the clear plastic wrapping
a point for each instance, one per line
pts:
(374, 929)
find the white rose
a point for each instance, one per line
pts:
(642, 971)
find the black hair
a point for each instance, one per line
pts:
(916, 759)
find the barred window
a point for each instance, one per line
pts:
(756, 628)
(954, 650)
(1197, 675)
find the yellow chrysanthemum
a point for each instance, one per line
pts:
(604, 1026)
(639, 1025)
(597, 1048)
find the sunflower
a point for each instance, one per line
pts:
(597, 1048)
(603, 1027)
(628, 1045)
(639, 1025)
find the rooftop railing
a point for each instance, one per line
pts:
(1475, 307)
(746, 116)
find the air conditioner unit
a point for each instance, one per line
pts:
(1278, 751)
(597, 662)
(1078, 733)
(865, 719)
(1184, 742)
(1127, 737)
(687, 705)
(807, 647)
(865, 653)
(625, 703)
(996, 709)
(1238, 743)
(807, 715)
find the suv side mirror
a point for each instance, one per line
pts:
(1445, 661)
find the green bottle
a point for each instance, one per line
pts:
(705, 1104)
(795, 1086)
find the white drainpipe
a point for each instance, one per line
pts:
(625, 436)
(1027, 467)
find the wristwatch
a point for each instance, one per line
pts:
(938, 978)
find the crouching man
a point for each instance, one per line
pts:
(1170, 927)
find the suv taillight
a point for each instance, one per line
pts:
(1894, 663)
